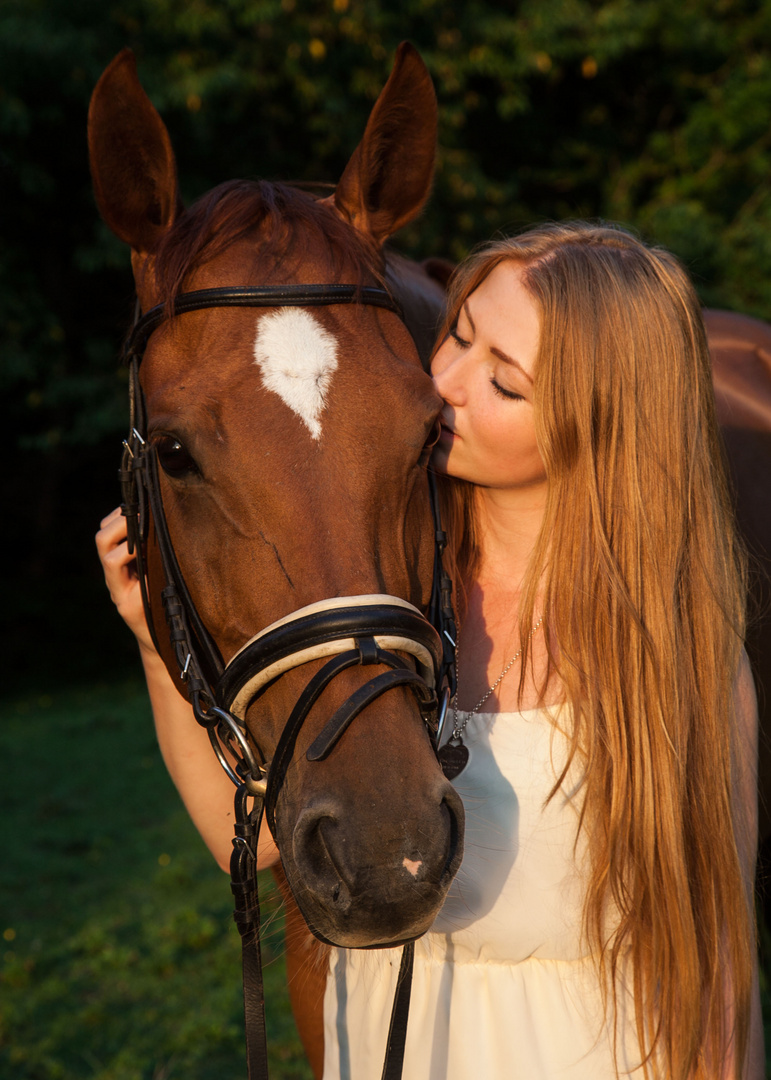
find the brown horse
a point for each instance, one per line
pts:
(292, 451)
(741, 370)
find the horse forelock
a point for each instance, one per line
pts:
(276, 217)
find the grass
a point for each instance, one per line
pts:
(120, 959)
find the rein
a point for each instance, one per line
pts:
(350, 631)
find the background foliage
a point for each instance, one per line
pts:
(640, 111)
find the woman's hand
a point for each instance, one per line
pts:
(120, 575)
(205, 789)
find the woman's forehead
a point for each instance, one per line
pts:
(503, 312)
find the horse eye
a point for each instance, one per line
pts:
(174, 458)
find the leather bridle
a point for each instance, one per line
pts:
(350, 631)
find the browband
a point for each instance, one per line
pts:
(257, 296)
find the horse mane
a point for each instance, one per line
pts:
(272, 215)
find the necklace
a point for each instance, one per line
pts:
(453, 756)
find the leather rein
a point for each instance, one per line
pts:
(350, 631)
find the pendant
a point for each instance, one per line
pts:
(453, 758)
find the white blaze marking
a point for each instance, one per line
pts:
(296, 357)
(413, 867)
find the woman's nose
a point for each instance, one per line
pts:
(447, 379)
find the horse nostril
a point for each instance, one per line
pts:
(454, 807)
(312, 840)
(431, 441)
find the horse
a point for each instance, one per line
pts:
(290, 448)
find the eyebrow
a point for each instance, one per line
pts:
(496, 351)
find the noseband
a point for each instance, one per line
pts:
(346, 631)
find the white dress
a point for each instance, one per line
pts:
(502, 986)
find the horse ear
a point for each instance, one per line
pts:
(132, 163)
(388, 179)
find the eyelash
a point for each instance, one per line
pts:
(457, 338)
(503, 392)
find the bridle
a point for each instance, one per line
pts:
(348, 631)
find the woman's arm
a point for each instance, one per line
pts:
(199, 778)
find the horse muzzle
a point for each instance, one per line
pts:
(375, 879)
(369, 854)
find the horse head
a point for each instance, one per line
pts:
(290, 445)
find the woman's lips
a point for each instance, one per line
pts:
(446, 434)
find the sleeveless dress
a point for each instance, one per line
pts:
(502, 986)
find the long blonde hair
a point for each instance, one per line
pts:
(641, 578)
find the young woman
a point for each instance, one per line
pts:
(605, 725)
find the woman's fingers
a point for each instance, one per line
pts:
(112, 531)
(120, 575)
(113, 549)
(114, 515)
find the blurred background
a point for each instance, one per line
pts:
(639, 111)
(653, 114)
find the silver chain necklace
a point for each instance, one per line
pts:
(453, 756)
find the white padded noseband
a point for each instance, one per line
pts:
(330, 648)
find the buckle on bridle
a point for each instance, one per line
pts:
(225, 733)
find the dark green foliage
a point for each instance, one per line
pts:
(119, 959)
(641, 111)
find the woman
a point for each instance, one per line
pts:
(601, 921)
(604, 730)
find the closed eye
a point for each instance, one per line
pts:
(501, 391)
(461, 342)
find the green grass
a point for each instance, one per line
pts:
(119, 956)
(120, 959)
